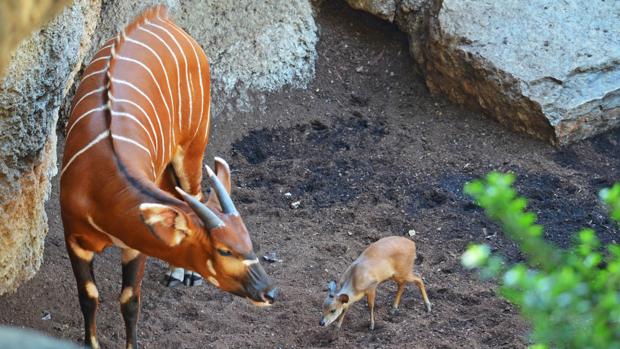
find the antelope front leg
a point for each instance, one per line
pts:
(82, 265)
(187, 168)
(371, 294)
(133, 271)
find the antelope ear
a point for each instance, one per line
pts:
(222, 172)
(167, 223)
(343, 298)
(331, 287)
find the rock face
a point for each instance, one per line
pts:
(31, 93)
(17, 20)
(549, 69)
(252, 45)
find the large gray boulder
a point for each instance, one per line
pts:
(547, 68)
(31, 94)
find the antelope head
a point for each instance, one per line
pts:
(214, 238)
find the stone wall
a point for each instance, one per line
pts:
(252, 46)
(547, 68)
(31, 93)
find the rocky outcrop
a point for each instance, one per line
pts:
(18, 18)
(549, 69)
(31, 94)
(252, 45)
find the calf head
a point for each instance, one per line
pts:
(334, 304)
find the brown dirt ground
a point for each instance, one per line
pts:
(368, 153)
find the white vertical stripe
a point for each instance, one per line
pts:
(81, 117)
(126, 83)
(174, 57)
(137, 144)
(100, 89)
(97, 139)
(146, 116)
(134, 119)
(186, 71)
(202, 102)
(163, 68)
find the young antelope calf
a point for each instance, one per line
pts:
(389, 258)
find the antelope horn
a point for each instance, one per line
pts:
(208, 217)
(225, 201)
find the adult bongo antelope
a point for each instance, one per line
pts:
(138, 128)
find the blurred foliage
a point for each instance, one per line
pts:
(570, 296)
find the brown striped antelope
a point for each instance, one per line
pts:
(138, 129)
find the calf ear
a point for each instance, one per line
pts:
(167, 223)
(331, 287)
(343, 298)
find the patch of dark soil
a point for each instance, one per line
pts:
(364, 152)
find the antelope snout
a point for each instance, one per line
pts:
(322, 322)
(270, 295)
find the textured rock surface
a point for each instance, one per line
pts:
(31, 94)
(550, 69)
(251, 45)
(18, 18)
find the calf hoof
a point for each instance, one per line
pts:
(428, 307)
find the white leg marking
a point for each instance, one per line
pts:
(79, 118)
(80, 252)
(97, 139)
(213, 281)
(210, 267)
(126, 294)
(91, 290)
(94, 343)
(100, 89)
(128, 255)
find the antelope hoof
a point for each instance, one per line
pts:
(428, 307)
(192, 279)
(394, 311)
(171, 281)
(372, 326)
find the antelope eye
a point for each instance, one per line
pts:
(333, 311)
(224, 253)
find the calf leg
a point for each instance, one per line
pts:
(418, 282)
(133, 271)
(82, 265)
(399, 293)
(371, 294)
